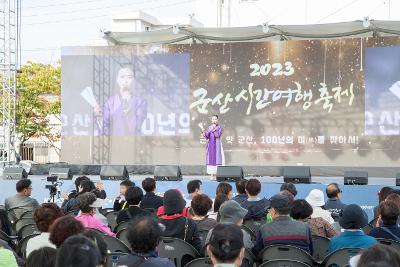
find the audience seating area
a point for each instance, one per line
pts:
(182, 253)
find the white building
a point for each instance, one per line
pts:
(140, 22)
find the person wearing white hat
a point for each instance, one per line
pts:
(316, 199)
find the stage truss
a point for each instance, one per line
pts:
(8, 69)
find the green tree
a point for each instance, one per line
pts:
(38, 98)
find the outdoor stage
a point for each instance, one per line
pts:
(364, 195)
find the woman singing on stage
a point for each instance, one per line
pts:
(215, 153)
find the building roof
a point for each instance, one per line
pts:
(255, 33)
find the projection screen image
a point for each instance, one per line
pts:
(327, 102)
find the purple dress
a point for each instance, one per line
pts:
(123, 118)
(215, 153)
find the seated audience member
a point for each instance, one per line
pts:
(232, 213)
(289, 187)
(256, 207)
(120, 201)
(316, 199)
(193, 188)
(43, 257)
(150, 200)
(301, 210)
(185, 210)
(334, 204)
(224, 188)
(88, 204)
(282, 229)
(241, 191)
(284, 193)
(23, 197)
(382, 194)
(380, 255)
(143, 234)
(219, 199)
(64, 227)
(7, 258)
(78, 251)
(73, 193)
(5, 224)
(84, 187)
(101, 244)
(44, 215)
(352, 219)
(389, 214)
(5, 245)
(226, 247)
(394, 198)
(201, 204)
(175, 224)
(133, 197)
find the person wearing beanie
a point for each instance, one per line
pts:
(226, 247)
(316, 199)
(283, 230)
(352, 219)
(176, 225)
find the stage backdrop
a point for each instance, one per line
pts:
(313, 102)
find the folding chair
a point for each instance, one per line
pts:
(254, 225)
(123, 236)
(200, 262)
(177, 250)
(21, 248)
(121, 226)
(284, 263)
(18, 224)
(115, 245)
(340, 257)
(112, 219)
(320, 245)
(28, 229)
(285, 252)
(393, 243)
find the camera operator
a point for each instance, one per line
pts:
(82, 185)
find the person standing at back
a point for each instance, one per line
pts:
(23, 197)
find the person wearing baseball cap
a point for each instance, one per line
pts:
(226, 247)
(283, 230)
(352, 219)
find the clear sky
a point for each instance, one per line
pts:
(49, 24)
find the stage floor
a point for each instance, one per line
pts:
(363, 195)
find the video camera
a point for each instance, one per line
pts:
(53, 187)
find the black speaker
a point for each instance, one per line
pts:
(114, 172)
(397, 179)
(61, 173)
(355, 177)
(167, 173)
(229, 173)
(297, 175)
(15, 173)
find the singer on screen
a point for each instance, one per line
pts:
(124, 112)
(215, 152)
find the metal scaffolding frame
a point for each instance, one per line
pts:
(8, 71)
(101, 90)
